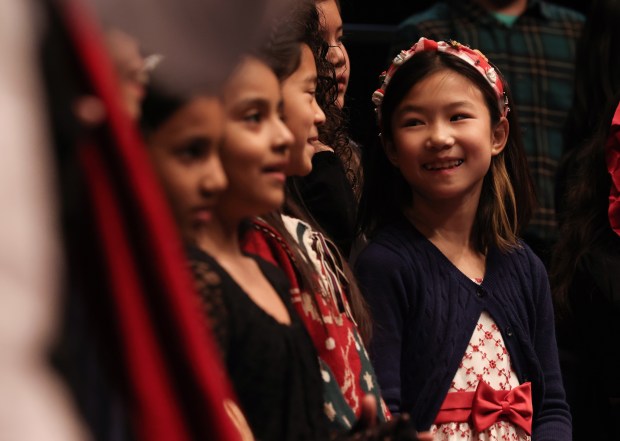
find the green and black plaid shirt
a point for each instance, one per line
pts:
(536, 55)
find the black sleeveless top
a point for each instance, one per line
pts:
(273, 366)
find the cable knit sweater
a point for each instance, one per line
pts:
(425, 311)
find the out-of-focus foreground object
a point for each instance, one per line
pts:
(156, 374)
(86, 230)
(34, 404)
(200, 39)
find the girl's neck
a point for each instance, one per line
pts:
(443, 221)
(449, 228)
(453, 238)
(220, 238)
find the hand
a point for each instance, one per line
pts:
(368, 414)
(425, 436)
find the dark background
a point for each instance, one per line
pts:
(367, 32)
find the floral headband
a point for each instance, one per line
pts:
(473, 57)
(612, 158)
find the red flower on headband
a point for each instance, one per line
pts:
(612, 158)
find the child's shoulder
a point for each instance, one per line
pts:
(524, 252)
(394, 244)
(522, 257)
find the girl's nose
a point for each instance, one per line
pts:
(319, 115)
(439, 137)
(335, 55)
(282, 137)
(214, 180)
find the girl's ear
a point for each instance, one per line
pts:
(500, 136)
(390, 151)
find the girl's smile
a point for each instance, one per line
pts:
(443, 141)
(277, 170)
(441, 165)
(302, 113)
(202, 215)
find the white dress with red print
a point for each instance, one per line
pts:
(486, 358)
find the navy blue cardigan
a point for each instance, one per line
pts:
(425, 311)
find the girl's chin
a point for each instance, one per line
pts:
(301, 165)
(307, 165)
(306, 171)
(272, 203)
(275, 205)
(303, 170)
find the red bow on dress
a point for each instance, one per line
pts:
(515, 405)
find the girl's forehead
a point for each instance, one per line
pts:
(331, 14)
(252, 77)
(444, 83)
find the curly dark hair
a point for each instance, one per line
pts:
(334, 132)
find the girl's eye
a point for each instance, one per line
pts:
(459, 117)
(253, 117)
(192, 150)
(412, 122)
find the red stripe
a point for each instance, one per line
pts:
(158, 417)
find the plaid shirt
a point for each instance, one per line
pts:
(536, 56)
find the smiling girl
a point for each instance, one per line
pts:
(464, 328)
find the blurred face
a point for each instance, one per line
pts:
(302, 113)
(337, 55)
(129, 63)
(256, 145)
(185, 154)
(443, 140)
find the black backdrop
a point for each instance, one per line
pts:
(368, 27)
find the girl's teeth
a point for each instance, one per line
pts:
(443, 165)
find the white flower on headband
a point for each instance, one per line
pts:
(377, 97)
(492, 76)
(400, 58)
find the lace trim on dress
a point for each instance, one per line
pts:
(209, 286)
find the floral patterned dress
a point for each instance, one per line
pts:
(486, 358)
